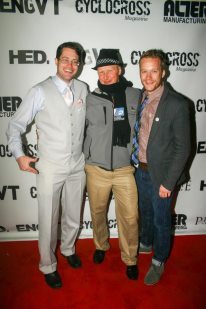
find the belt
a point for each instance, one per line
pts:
(143, 166)
(105, 169)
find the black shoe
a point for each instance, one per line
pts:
(53, 280)
(132, 272)
(74, 261)
(98, 256)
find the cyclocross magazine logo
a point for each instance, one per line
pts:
(87, 224)
(201, 105)
(132, 10)
(29, 150)
(183, 61)
(185, 12)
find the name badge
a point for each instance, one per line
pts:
(119, 113)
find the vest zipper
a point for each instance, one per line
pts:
(105, 115)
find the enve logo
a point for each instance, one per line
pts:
(201, 147)
(27, 227)
(12, 189)
(30, 7)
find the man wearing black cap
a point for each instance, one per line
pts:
(110, 115)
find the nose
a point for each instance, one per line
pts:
(148, 75)
(106, 76)
(69, 64)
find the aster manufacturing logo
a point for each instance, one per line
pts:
(9, 105)
(187, 12)
(132, 10)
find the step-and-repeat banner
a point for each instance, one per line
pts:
(31, 30)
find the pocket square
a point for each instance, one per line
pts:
(78, 104)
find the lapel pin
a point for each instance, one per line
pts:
(157, 119)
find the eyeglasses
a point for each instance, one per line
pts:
(73, 62)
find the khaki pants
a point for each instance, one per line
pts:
(121, 182)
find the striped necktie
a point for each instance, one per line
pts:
(135, 146)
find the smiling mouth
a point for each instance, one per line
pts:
(68, 71)
(149, 84)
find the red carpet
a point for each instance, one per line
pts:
(103, 286)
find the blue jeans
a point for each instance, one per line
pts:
(155, 216)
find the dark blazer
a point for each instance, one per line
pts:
(169, 140)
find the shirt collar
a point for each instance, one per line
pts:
(155, 94)
(61, 84)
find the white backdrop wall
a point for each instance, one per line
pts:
(30, 32)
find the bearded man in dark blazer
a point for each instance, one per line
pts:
(163, 148)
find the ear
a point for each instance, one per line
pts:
(163, 74)
(120, 70)
(56, 61)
